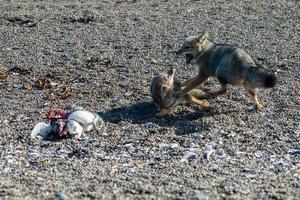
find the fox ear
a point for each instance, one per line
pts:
(203, 38)
(171, 72)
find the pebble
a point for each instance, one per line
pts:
(295, 152)
(9, 161)
(189, 155)
(231, 151)
(127, 94)
(242, 123)
(148, 125)
(207, 153)
(6, 170)
(99, 156)
(61, 195)
(153, 61)
(174, 146)
(249, 170)
(220, 154)
(6, 122)
(258, 154)
(129, 147)
(66, 56)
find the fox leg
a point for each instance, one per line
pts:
(187, 82)
(253, 95)
(191, 84)
(191, 99)
(164, 111)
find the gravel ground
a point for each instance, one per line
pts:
(102, 55)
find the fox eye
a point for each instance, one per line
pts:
(164, 88)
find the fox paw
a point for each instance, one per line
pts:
(163, 113)
(259, 107)
(206, 105)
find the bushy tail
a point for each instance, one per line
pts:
(260, 77)
(198, 93)
(270, 81)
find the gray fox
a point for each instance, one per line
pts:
(162, 90)
(229, 64)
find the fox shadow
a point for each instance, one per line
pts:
(144, 112)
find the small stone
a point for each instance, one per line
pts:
(242, 123)
(9, 161)
(189, 155)
(281, 64)
(99, 156)
(174, 146)
(250, 108)
(258, 154)
(6, 170)
(207, 154)
(6, 122)
(232, 134)
(127, 94)
(61, 195)
(114, 170)
(220, 154)
(249, 170)
(148, 125)
(130, 170)
(231, 151)
(39, 179)
(125, 125)
(295, 152)
(153, 61)
(129, 147)
(66, 56)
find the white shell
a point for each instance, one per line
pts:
(41, 129)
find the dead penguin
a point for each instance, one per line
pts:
(80, 121)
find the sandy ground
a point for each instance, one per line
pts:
(91, 53)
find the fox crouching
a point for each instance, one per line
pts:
(227, 63)
(162, 92)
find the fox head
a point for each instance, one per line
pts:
(162, 87)
(167, 84)
(193, 46)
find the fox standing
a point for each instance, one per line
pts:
(229, 64)
(162, 92)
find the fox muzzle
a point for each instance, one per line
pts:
(179, 52)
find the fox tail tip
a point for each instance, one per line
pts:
(271, 81)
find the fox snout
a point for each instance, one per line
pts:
(188, 56)
(179, 52)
